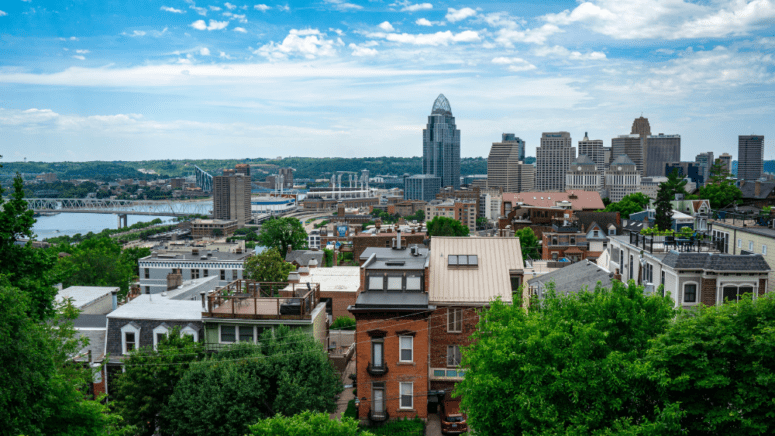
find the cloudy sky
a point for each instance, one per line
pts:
(152, 79)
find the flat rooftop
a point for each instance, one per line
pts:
(336, 279)
(202, 256)
(156, 307)
(84, 295)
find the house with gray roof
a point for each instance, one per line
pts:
(302, 258)
(571, 279)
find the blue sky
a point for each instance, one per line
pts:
(157, 79)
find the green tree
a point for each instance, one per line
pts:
(569, 365)
(716, 364)
(328, 257)
(268, 266)
(663, 218)
(307, 423)
(721, 191)
(279, 233)
(630, 204)
(144, 390)
(288, 372)
(444, 226)
(528, 242)
(675, 184)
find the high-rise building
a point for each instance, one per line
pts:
(631, 146)
(750, 155)
(231, 197)
(583, 175)
(691, 170)
(641, 127)
(621, 178)
(726, 162)
(553, 158)
(594, 149)
(287, 177)
(441, 144)
(659, 150)
(421, 187)
(607, 153)
(705, 160)
(506, 168)
(243, 169)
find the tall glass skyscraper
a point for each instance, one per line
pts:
(441, 144)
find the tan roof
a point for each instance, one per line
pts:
(585, 200)
(473, 285)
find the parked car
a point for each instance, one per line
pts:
(452, 421)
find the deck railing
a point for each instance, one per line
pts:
(663, 244)
(248, 299)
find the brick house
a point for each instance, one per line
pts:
(384, 239)
(537, 218)
(338, 286)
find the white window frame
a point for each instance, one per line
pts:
(395, 283)
(720, 290)
(129, 328)
(401, 348)
(373, 281)
(401, 395)
(189, 330)
(750, 246)
(739, 243)
(764, 249)
(411, 281)
(161, 328)
(455, 320)
(696, 293)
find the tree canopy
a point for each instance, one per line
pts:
(279, 233)
(663, 218)
(445, 226)
(268, 266)
(307, 423)
(629, 204)
(528, 242)
(721, 191)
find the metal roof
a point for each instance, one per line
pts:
(84, 295)
(480, 284)
(154, 306)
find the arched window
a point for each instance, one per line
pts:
(159, 333)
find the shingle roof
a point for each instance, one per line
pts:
(583, 160)
(716, 262)
(302, 257)
(603, 219)
(583, 200)
(480, 284)
(623, 159)
(749, 189)
(574, 277)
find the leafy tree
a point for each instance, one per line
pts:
(217, 232)
(528, 242)
(721, 191)
(631, 203)
(307, 423)
(328, 257)
(279, 233)
(288, 372)
(663, 219)
(716, 364)
(445, 226)
(569, 365)
(343, 323)
(144, 390)
(419, 216)
(268, 266)
(606, 201)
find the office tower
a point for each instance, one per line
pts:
(750, 155)
(287, 174)
(726, 162)
(441, 144)
(621, 178)
(641, 127)
(593, 148)
(691, 170)
(553, 157)
(243, 169)
(659, 150)
(421, 187)
(607, 154)
(506, 168)
(631, 146)
(650, 185)
(583, 175)
(705, 160)
(231, 197)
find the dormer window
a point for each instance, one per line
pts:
(462, 260)
(376, 283)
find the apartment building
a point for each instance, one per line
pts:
(154, 269)
(745, 237)
(464, 211)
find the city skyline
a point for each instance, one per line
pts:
(189, 79)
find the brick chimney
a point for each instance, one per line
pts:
(294, 277)
(757, 190)
(174, 280)
(617, 276)
(290, 248)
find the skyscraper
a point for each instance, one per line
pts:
(441, 144)
(705, 161)
(594, 149)
(506, 168)
(231, 197)
(726, 162)
(641, 127)
(553, 158)
(750, 155)
(630, 146)
(659, 150)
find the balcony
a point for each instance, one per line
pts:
(375, 416)
(247, 299)
(377, 370)
(663, 244)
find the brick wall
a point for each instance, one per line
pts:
(762, 286)
(708, 292)
(339, 301)
(441, 338)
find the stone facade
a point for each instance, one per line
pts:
(113, 340)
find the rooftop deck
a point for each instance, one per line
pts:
(664, 244)
(247, 299)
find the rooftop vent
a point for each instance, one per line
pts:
(395, 263)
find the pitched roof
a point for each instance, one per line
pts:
(468, 284)
(580, 200)
(603, 219)
(583, 160)
(84, 295)
(302, 257)
(749, 189)
(574, 277)
(623, 159)
(716, 262)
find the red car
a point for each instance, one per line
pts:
(452, 421)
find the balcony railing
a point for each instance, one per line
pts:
(263, 300)
(663, 244)
(377, 416)
(377, 370)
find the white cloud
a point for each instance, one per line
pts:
(241, 18)
(337, 31)
(669, 19)
(309, 43)
(136, 33)
(386, 26)
(432, 39)
(214, 25)
(204, 51)
(563, 52)
(214, 8)
(262, 7)
(173, 10)
(423, 22)
(82, 51)
(240, 30)
(198, 10)
(285, 8)
(359, 50)
(230, 6)
(454, 15)
(79, 57)
(343, 5)
(2, 13)
(514, 64)
(409, 7)
(508, 36)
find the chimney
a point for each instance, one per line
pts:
(202, 297)
(290, 248)
(398, 238)
(617, 276)
(313, 263)
(294, 277)
(114, 298)
(757, 190)
(174, 280)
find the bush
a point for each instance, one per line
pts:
(352, 411)
(343, 323)
(403, 427)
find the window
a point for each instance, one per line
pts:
(462, 259)
(406, 344)
(377, 353)
(376, 283)
(147, 273)
(612, 231)
(394, 283)
(147, 289)
(733, 293)
(407, 395)
(690, 293)
(632, 266)
(414, 283)
(596, 233)
(228, 333)
(516, 282)
(554, 256)
(454, 320)
(194, 273)
(223, 274)
(190, 331)
(750, 246)
(554, 241)
(739, 243)
(234, 274)
(130, 341)
(764, 249)
(130, 337)
(159, 333)
(453, 355)
(205, 273)
(246, 333)
(572, 240)
(378, 398)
